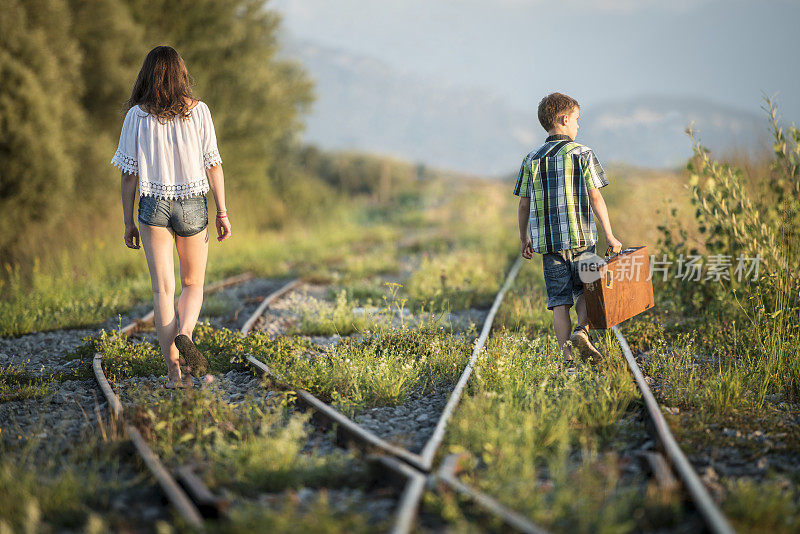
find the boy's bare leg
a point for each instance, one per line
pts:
(580, 309)
(583, 341)
(563, 327)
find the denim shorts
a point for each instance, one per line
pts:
(186, 216)
(561, 277)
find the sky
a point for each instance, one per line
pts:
(731, 52)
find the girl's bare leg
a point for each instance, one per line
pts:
(193, 255)
(158, 244)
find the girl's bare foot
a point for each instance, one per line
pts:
(176, 379)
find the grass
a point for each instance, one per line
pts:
(524, 307)
(319, 516)
(766, 507)
(218, 305)
(547, 442)
(49, 490)
(30, 502)
(460, 280)
(250, 452)
(249, 446)
(124, 357)
(719, 366)
(363, 292)
(85, 287)
(17, 384)
(322, 318)
(377, 370)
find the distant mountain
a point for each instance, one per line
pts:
(363, 104)
(650, 131)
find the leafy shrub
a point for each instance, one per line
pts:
(761, 355)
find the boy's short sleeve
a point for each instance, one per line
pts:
(126, 156)
(208, 138)
(593, 173)
(524, 179)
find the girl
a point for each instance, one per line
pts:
(169, 145)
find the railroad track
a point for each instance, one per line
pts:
(186, 507)
(416, 471)
(416, 468)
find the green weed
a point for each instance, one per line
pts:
(458, 280)
(317, 516)
(770, 506)
(16, 384)
(546, 439)
(379, 369)
(124, 357)
(47, 491)
(319, 317)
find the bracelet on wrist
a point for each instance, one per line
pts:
(222, 216)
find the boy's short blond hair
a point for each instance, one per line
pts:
(553, 106)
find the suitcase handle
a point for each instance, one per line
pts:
(609, 256)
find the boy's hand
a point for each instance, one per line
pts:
(526, 248)
(614, 244)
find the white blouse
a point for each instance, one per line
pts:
(169, 158)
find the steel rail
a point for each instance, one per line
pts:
(423, 461)
(368, 440)
(713, 516)
(136, 324)
(435, 441)
(417, 466)
(446, 475)
(172, 490)
(408, 504)
(272, 297)
(176, 496)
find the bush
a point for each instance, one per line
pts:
(765, 226)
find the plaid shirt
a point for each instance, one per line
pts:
(557, 177)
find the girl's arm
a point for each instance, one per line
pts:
(216, 180)
(128, 185)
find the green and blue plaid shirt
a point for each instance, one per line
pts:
(557, 177)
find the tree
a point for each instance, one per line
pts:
(40, 116)
(256, 99)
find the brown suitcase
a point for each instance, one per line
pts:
(623, 290)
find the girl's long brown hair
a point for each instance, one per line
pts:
(162, 86)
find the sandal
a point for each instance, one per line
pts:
(198, 365)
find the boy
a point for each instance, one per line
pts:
(559, 187)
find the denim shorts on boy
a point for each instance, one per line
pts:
(186, 216)
(562, 276)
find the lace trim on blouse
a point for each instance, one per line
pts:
(155, 189)
(211, 159)
(126, 163)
